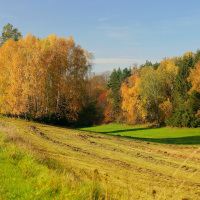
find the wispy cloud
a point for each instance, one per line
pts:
(188, 21)
(7, 16)
(116, 35)
(103, 19)
(112, 28)
(113, 34)
(118, 60)
(133, 43)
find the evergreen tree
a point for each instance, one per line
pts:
(125, 73)
(155, 65)
(116, 79)
(9, 32)
(194, 102)
(113, 87)
(193, 108)
(197, 57)
(182, 85)
(184, 115)
(114, 84)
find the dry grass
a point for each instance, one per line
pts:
(125, 168)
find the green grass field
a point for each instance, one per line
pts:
(40, 161)
(184, 136)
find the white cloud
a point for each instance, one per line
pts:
(118, 60)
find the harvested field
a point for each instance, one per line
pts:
(128, 168)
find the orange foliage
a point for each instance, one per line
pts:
(102, 102)
(110, 110)
(109, 113)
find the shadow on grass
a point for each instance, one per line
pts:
(117, 131)
(124, 130)
(187, 140)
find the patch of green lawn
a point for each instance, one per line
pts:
(21, 177)
(185, 136)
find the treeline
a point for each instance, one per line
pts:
(49, 80)
(166, 93)
(43, 79)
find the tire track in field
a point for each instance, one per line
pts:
(165, 153)
(86, 137)
(135, 145)
(40, 134)
(120, 163)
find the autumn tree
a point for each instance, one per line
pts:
(166, 110)
(95, 100)
(43, 79)
(151, 89)
(193, 102)
(167, 72)
(110, 112)
(131, 101)
(194, 78)
(6, 54)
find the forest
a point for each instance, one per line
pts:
(165, 93)
(49, 80)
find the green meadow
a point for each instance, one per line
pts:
(39, 161)
(184, 136)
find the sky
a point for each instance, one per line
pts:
(119, 33)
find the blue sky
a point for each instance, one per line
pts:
(118, 32)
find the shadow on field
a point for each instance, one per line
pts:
(188, 140)
(118, 131)
(125, 130)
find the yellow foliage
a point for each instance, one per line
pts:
(189, 54)
(43, 76)
(165, 109)
(167, 71)
(194, 78)
(131, 102)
